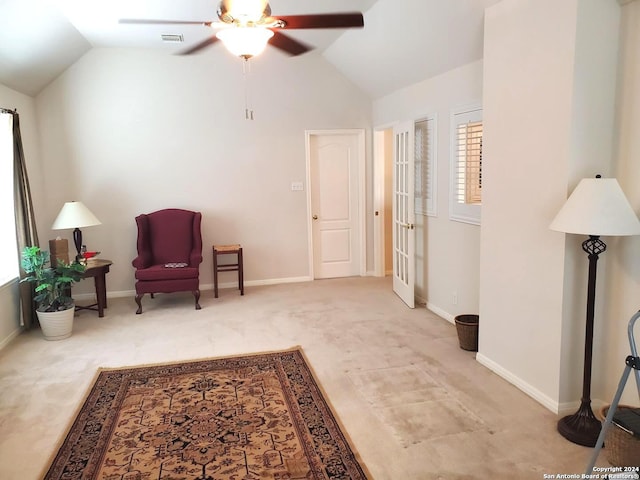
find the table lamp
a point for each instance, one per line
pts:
(75, 215)
(596, 207)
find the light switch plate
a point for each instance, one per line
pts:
(296, 186)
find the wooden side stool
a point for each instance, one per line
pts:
(227, 267)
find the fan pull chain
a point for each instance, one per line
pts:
(246, 70)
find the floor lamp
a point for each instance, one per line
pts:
(596, 207)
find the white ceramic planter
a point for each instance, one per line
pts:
(57, 325)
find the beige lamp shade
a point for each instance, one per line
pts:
(598, 207)
(74, 215)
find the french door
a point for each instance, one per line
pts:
(404, 234)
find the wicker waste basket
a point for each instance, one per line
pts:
(467, 328)
(622, 448)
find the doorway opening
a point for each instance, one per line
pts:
(383, 201)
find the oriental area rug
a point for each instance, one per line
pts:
(255, 417)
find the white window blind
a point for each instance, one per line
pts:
(466, 165)
(8, 252)
(425, 166)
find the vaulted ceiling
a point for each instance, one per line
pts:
(402, 42)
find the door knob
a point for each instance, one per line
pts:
(315, 217)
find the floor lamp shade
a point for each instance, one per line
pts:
(596, 207)
(75, 215)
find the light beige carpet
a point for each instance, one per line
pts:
(414, 404)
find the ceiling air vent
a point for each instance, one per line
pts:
(172, 37)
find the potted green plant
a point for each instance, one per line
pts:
(54, 305)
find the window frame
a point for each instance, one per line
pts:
(9, 265)
(462, 212)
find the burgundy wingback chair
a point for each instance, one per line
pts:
(169, 253)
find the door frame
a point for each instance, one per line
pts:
(379, 244)
(360, 132)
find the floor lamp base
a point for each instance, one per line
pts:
(582, 427)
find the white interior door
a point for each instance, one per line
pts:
(335, 205)
(404, 234)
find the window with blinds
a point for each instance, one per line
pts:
(425, 166)
(466, 165)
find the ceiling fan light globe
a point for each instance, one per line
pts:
(245, 42)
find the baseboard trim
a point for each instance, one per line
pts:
(110, 294)
(560, 409)
(257, 283)
(516, 381)
(441, 313)
(533, 392)
(7, 340)
(205, 286)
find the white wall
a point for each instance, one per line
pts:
(548, 123)
(132, 131)
(9, 312)
(450, 251)
(623, 257)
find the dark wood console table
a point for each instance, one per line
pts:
(97, 269)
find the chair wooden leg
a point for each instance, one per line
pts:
(139, 302)
(240, 272)
(196, 294)
(215, 273)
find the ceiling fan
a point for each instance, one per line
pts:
(246, 26)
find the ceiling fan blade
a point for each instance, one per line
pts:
(144, 21)
(323, 20)
(199, 46)
(288, 44)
